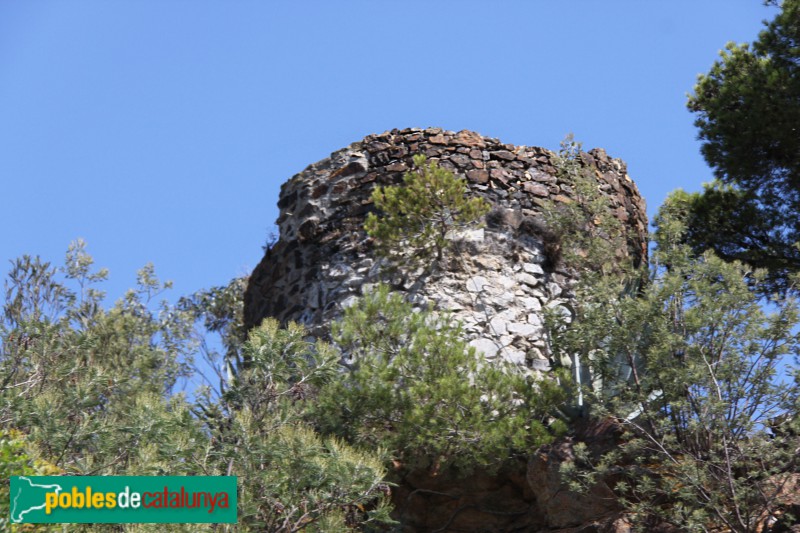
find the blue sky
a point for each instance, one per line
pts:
(162, 131)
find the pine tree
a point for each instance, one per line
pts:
(420, 218)
(747, 110)
(693, 372)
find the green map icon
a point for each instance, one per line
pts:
(27, 499)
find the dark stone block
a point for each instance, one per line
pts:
(478, 176)
(287, 200)
(504, 155)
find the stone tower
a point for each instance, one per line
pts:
(500, 283)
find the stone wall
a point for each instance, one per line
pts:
(497, 283)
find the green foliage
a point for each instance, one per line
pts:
(592, 240)
(594, 245)
(291, 479)
(88, 385)
(91, 390)
(414, 387)
(221, 310)
(695, 364)
(748, 108)
(738, 226)
(419, 218)
(280, 365)
(17, 460)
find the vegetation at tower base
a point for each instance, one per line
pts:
(415, 387)
(420, 216)
(291, 478)
(748, 111)
(90, 390)
(704, 371)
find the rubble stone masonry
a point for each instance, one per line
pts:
(497, 281)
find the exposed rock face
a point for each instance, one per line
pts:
(497, 283)
(561, 508)
(522, 497)
(497, 286)
(507, 501)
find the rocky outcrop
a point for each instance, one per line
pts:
(499, 284)
(561, 508)
(526, 496)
